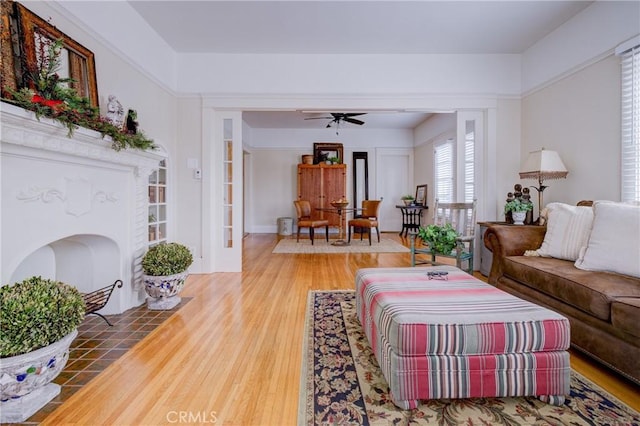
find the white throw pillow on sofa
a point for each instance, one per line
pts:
(614, 243)
(568, 229)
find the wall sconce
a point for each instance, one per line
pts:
(543, 165)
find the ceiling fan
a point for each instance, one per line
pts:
(337, 117)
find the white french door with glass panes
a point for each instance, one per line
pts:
(470, 141)
(222, 191)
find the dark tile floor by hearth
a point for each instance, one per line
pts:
(98, 345)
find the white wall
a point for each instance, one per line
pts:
(274, 156)
(187, 190)
(350, 137)
(274, 187)
(589, 36)
(579, 116)
(507, 161)
(348, 74)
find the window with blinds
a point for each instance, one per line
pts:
(469, 162)
(444, 168)
(630, 179)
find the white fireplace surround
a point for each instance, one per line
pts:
(73, 209)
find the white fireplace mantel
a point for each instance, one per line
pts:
(73, 208)
(21, 127)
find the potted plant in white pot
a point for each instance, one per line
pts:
(408, 199)
(39, 320)
(165, 271)
(518, 210)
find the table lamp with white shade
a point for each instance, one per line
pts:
(543, 165)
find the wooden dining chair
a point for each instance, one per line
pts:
(303, 209)
(367, 219)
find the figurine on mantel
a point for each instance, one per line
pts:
(115, 112)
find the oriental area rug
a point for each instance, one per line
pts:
(342, 384)
(320, 245)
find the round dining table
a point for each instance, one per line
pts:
(340, 211)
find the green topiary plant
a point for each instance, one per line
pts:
(516, 205)
(36, 313)
(441, 239)
(166, 259)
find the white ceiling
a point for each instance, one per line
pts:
(353, 27)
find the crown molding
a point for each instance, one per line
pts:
(567, 73)
(65, 10)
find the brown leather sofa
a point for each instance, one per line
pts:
(603, 308)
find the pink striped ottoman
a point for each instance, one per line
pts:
(460, 337)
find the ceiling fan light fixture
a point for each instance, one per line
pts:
(337, 117)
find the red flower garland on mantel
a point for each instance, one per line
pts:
(54, 104)
(53, 98)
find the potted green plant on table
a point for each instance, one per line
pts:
(165, 271)
(39, 320)
(333, 160)
(408, 199)
(518, 210)
(441, 239)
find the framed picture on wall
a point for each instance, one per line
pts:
(326, 151)
(76, 61)
(421, 195)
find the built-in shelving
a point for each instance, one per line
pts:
(158, 204)
(227, 202)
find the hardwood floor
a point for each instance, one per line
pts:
(232, 355)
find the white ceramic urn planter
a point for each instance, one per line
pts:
(518, 217)
(163, 290)
(25, 380)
